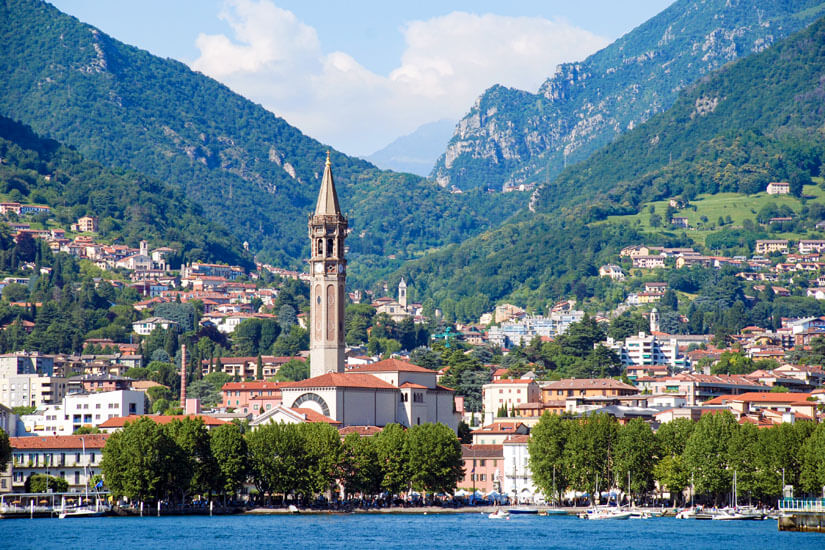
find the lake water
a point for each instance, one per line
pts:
(368, 532)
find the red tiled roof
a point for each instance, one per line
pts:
(588, 383)
(92, 441)
(390, 365)
(763, 397)
(342, 380)
(119, 422)
(313, 416)
(411, 385)
(252, 385)
(517, 439)
(499, 428)
(481, 451)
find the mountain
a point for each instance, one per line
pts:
(754, 121)
(514, 136)
(247, 168)
(130, 206)
(417, 152)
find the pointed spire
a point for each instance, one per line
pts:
(327, 198)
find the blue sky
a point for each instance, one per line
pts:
(357, 74)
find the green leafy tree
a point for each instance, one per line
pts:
(635, 455)
(707, 456)
(293, 371)
(42, 483)
(230, 452)
(5, 449)
(548, 440)
(141, 462)
(589, 454)
(434, 458)
(391, 447)
(199, 467)
(360, 468)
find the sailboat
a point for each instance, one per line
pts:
(84, 510)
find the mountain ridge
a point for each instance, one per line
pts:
(514, 136)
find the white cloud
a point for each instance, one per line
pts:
(275, 59)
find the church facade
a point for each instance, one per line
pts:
(390, 391)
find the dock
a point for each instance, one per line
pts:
(802, 515)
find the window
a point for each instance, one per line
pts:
(481, 462)
(77, 478)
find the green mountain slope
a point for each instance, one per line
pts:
(247, 168)
(516, 136)
(754, 121)
(131, 207)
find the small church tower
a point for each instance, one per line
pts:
(402, 293)
(654, 320)
(327, 231)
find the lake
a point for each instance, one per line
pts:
(381, 531)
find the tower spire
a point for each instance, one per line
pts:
(327, 197)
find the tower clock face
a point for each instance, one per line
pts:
(319, 268)
(340, 268)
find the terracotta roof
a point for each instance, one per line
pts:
(252, 385)
(499, 428)
(119, 422)
(517, 439)
(763, 397)
(482, 451)
(363, 431)
(313, 416)
(341, 380)
(588, 383)
(411, 385)
(92, 441)
(390, 365)
(145, 384)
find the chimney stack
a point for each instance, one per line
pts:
(183, 375)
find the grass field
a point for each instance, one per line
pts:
(739, 207)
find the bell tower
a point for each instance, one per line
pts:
(328, 267)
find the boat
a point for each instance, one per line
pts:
(553, 512)
(523, 510)
(501, 513)
(82, 512)
(605, 513)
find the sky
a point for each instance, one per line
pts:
(357, 74)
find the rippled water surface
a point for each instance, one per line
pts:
(368, 532)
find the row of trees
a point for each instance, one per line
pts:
(567, 453)
(147, 461)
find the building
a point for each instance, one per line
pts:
(241, 395)
(584, 387)
(786, 407)
(390, 391)
(699, 388)
(247, 367)
(811, 246)
(680, 221)
(649, 262)
(86, 224)
(75, 458)
(612, 271)
(508, 394)
(778, 188)
(83, 409)
(771, 246)
(23, 362)
(497, 432)
(516, 477)
(31, 390)
(327, 231)
(145, 327)
(482, 467)
(285, 415)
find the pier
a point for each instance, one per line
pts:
(802, 515)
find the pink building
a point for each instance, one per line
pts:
(248, 396)
(482, 467)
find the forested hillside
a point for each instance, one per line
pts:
(517, 136)
(754, 121)
(130, 206)
(246, 167)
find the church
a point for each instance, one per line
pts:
(390, 391)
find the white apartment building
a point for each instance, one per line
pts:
(84, 409)
(516, 477)
(522, 331)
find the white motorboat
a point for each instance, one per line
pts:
(82, 512)
(606, 513)
(501, 513)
